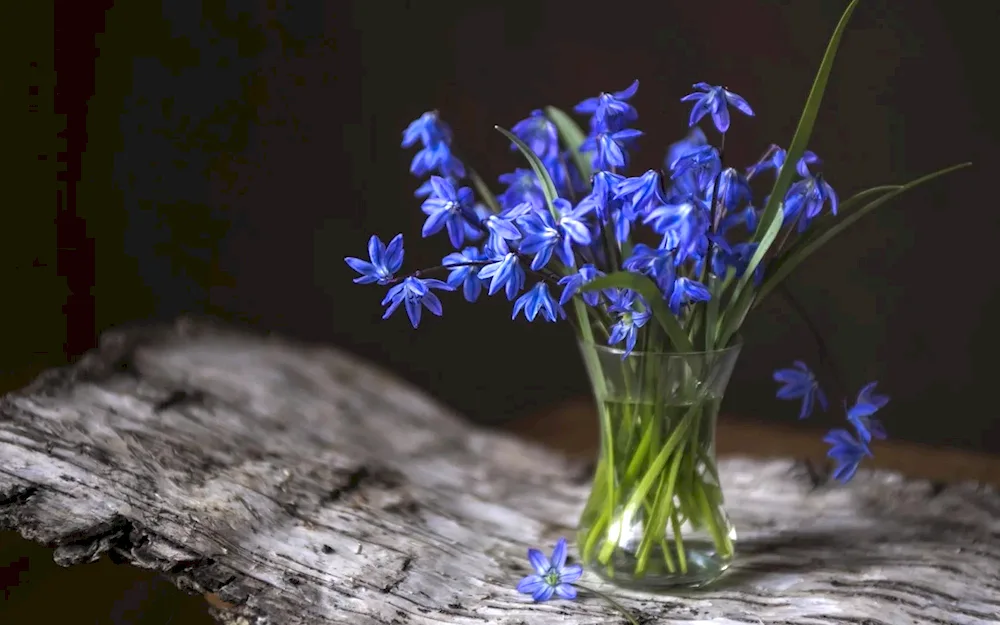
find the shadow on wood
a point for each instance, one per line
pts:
(301, 486)
(34, 589)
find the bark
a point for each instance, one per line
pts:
(303, 486)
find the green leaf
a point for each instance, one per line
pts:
(484, 191)
(649, 291)
(573, 137)
(802, 250)
(548, 187)
(742, 296)
(587, 335)
(804, 129)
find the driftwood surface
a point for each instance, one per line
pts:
(303, 486)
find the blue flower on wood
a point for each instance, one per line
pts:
(552, 576)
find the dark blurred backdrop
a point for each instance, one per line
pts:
(223, 156)
(220, 156)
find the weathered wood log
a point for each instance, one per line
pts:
(302, 486)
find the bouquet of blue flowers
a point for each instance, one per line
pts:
(657, 273)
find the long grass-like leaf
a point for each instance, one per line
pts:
(548, 187)
(766, 231)
(825, 221)
(743, 295)
(804, 248)
(804, 129)
(573, 137)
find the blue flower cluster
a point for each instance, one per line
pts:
(679, 226)
(846, 449)
(540, 254)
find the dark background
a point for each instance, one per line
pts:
(222, 157)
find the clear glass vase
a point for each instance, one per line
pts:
(655, 518)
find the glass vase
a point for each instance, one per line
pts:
(655, 518)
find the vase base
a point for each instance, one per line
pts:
(702, 566)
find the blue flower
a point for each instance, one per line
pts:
(800, 383)
(385, 261)
(621, 222)
(640, 192)
(447, 208)
(715, 100)
(609, 148)
(774, 159)
(426, 188)
(601, 198)
(428, 129)
(504, 272)
(847, 452)
(436, 152)
(551, 577)
(734, 189)
(466, 276)
(687, 291)
(415, 293)
(695, 172)
(500, 229)
(437, 157)
(720, 253)
(694, 140)
(574, 282)
(747, 217)
(522, 186)
(683, 224)
(543, 235)
(657, 263)
(860, 414)
(539, 134)
(630, 320)
(473, 221)
(808, 158)
(808, 196)
(537, 300)
(739, 256)
(610, 110)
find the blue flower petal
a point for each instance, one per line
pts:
(543, 594)
(531, 584)
(559, 554)
(413, 309)
(539, 561)
(565, 591)
(570, 573)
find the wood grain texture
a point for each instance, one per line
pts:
(301, 486)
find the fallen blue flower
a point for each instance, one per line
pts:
(552, 576)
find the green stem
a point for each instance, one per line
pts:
(721, 540)
(646, 483)
(679, 543)
(663, 508)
